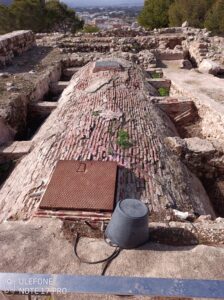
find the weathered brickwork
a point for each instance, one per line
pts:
(92, 111)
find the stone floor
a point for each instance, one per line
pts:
(198, 84)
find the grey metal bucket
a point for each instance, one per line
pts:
(128, 227)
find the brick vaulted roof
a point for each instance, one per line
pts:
(107, 116)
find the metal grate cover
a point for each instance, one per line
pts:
(107, 65)
(82, 185)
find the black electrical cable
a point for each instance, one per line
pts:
(107, 260)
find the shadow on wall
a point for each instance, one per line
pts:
(129, 186)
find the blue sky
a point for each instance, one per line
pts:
(76, 3)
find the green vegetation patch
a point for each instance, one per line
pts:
(155, 14)
(198, 13)
(96, 113)
(39, 16)
(163, 92)
(123, 139)
(156, 75)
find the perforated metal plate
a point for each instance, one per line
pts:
(82, 185)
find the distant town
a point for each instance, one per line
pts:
(106, 18)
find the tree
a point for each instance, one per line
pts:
(39, 16)
(215, 17)
(5, 17)
(155, 14)
(28, 14)
(189, 10)
(60, 17)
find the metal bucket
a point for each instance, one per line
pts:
(128, 227)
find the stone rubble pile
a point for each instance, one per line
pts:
(202, 46)
(145, 58)
(198, 51)
(204, 157)
(204, 230)
(176, 43)
(15, 43)
(193, 47)
(162, 46)
(123, 32)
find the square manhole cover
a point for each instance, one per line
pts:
(82, 185)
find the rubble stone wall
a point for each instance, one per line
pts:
(15, 43)
(210, 112)
(15, 112)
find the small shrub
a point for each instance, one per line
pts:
(163, 92)
(123, 139)
(155, 75)
(96, 113)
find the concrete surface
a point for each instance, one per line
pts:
(39, 246)
(206, 86)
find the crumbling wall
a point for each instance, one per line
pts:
(15, 43)
(209, 111)
(14, 110)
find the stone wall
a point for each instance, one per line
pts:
(210, 111)
(15, 43)
(14, 113)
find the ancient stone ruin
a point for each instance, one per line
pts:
(149, 101)
(15, 43)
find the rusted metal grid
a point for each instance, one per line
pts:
(107, 65)
(82, 185)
